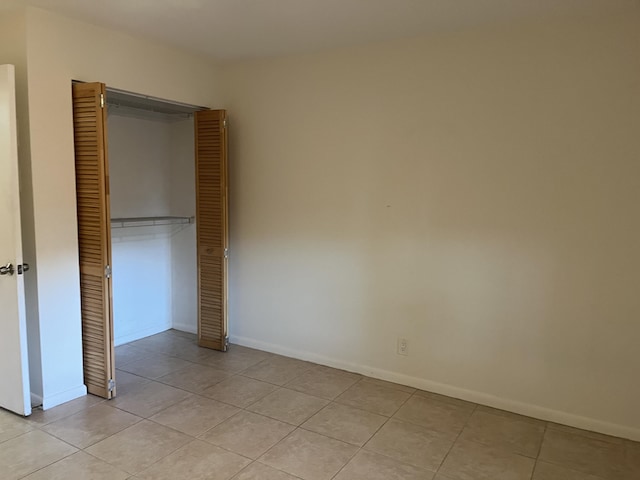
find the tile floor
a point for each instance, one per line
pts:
(183, 412)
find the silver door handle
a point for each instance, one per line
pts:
(7, 269)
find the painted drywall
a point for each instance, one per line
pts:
(140, 178)
(184, 278)
(475, 193)
(59, 50)
(152, 173)
(13, 50)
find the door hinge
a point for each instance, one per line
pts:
(102, 100)
(226, 343)
(107, 271)
(226, 253)
(224, 123)
(111, 385)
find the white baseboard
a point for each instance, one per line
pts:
(137, 335)
(185, 327)
(50, 401)
(36, 400)
(481, 398)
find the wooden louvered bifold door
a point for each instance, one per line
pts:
(94, 236)
(211, 224)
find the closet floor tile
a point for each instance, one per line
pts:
(155, 366)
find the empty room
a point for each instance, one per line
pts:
(320, 239)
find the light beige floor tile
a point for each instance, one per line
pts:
(507, 432)
(126, 381)
(91, 425)
(155, 366)
(12, 425)
(79, 466)
(472, 461)
(139, 446)
(191, 352)
(442, 417)
(547, 471)
(240, 349)
(632, 460)
(29, 452)
(194, 378)
(583, 453)
(259, 471)
(176, 344)
(371, 466)
(585, 433)
(248, 434)
(443, 398)
(309, 456)
(183, 334)
(128, 353)
(345, 423)
(323, 382)
(288, 406)
(408, 447)
(148, 399)
(374, 398)
(42, 417)
(239, 391)
(235, 359)
(511, 415)
(384, 383)
(411, 444)
(277, 370)
(194, 415)
(163, 342)
(196, 461)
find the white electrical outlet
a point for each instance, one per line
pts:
(403, 346)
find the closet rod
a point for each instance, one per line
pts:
(154, 99)
(150, 221)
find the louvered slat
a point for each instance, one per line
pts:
(211, 223)
(94, 236)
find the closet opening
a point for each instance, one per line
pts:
(153, 207)
(152, 225)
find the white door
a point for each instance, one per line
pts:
(14, 367)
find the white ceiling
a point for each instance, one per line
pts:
(231, 29)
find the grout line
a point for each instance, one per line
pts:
(544, 434)
(274, 468)
(453, 444)
(52, 463)
(347, 462)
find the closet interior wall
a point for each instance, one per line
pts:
(151, 161)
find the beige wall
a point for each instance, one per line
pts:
(60, 50)
(474, 193)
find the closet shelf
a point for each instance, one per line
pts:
(149, 221)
